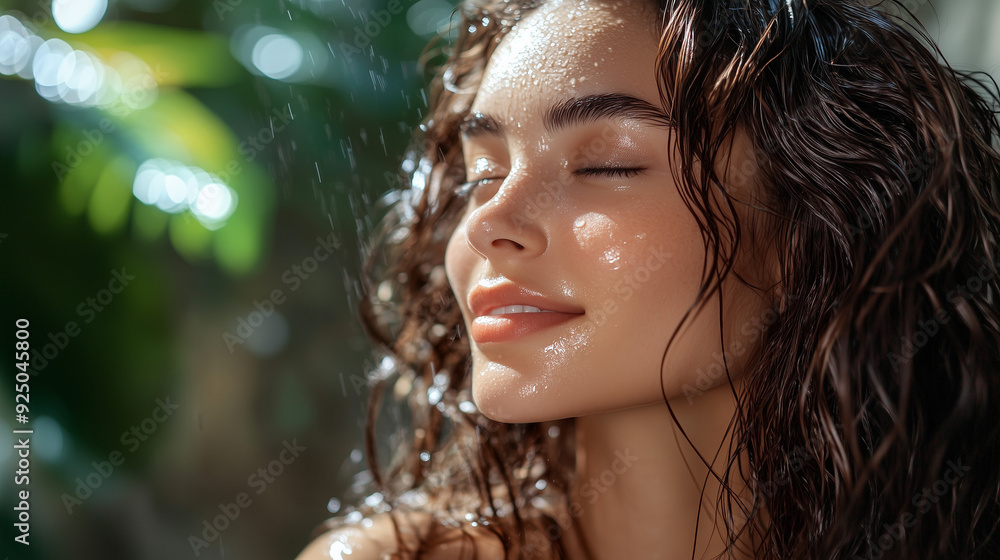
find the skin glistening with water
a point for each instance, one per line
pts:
(614, 241)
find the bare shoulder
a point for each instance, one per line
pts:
(378, 541)
(355, 542)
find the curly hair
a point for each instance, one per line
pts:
(868, 420)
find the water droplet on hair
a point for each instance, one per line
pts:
(374, 499)
(467, 407)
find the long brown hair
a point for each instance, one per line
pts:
(869, 421)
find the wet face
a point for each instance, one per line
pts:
(573, 213)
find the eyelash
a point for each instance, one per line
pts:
(623, 172)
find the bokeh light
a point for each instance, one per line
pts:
(16, 48)
(174, 187)
(78, 16)
(290, 56)
(277, 56)
(64, 74)
(427, 17)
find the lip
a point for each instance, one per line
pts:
(508, 326)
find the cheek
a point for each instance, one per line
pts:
(644, 271)
(646, 263)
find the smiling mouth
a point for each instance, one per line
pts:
(518, 309)
(513, 322)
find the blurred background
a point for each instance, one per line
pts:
(184, 192)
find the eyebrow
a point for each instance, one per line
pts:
(575, 111)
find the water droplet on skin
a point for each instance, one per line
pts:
(612, 255)
(482, 165)
(340, 548)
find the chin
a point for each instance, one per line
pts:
(521, 404)
(502, 408)
(504, 393)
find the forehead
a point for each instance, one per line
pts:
(568, 48)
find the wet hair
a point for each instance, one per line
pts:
(868, 420)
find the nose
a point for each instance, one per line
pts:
(508, 225)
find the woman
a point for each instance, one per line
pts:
(695, 278)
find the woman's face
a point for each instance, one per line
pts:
(582, 220)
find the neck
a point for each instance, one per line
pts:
(639, 487)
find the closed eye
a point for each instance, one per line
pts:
(611, 171)
(464, 188)
(625, 172)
